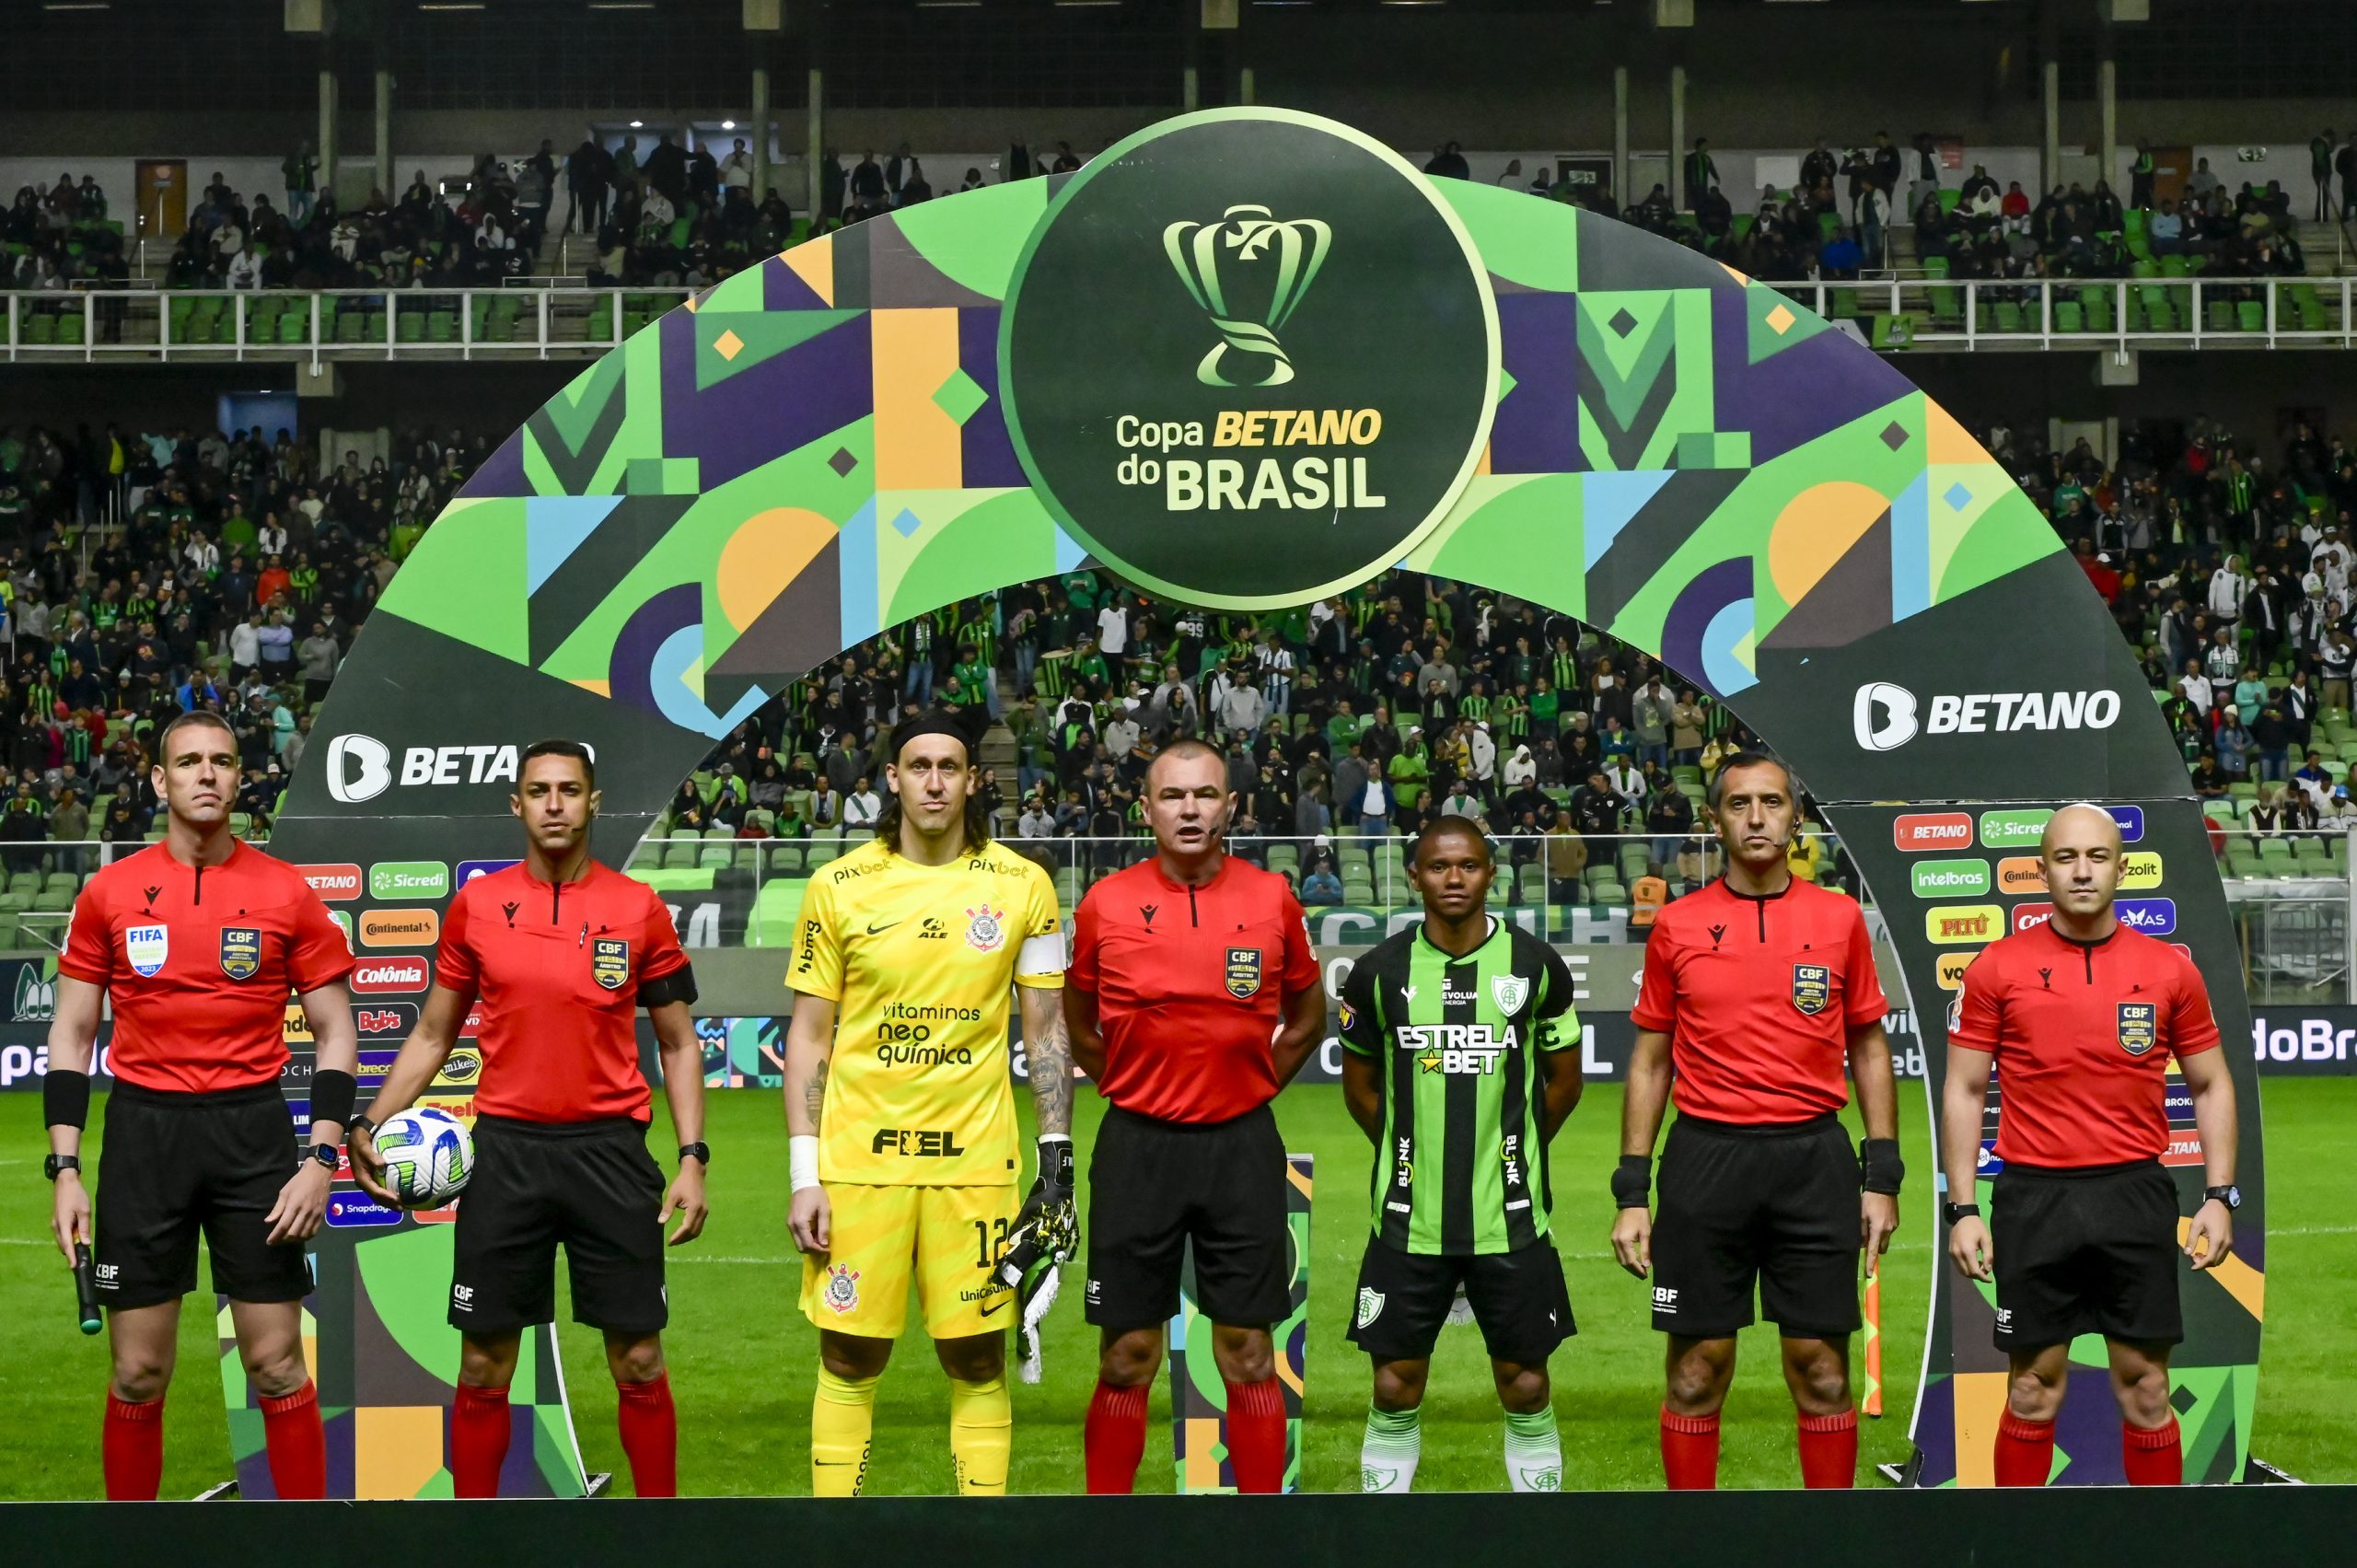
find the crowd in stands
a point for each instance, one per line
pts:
(235, 582)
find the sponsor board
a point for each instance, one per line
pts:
(2140, 871)
(2020, 875)
(468, 870)
(400, 928)
(350, 1209)
(2305, 1040)
(2153, 917)
(361, 767)
(1952, 966)
(1949, 878)
(378, 1020)
(333, 883)
(2131, 822)
(389, 977)
(1950, 925)
(2019, 829)
(1885, 716)
(1932, 830)
(2029, 916)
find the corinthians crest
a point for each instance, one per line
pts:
(1248, 235)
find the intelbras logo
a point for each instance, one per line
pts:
(360, 767)
(1887, 717)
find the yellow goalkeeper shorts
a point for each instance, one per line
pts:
(943, 1238)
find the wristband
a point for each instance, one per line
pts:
(802, 1161)
(1879, 1165)
(332, 1092)
(1056, 1160)
(65, 1098)
(1632, 1182)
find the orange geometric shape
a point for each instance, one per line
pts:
(918, 445)
(728, 345)
(1780, 320)
(1979, 1401)
(768, 551)
(1816, 529)
(1947, 441)
(814, 263)
(396, 1449)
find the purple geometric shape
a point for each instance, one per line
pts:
(1712, 590)
(987, 450)
(631, 668)
(1537, 426)
(501, 475)
(783, 288)
(780, 405)
(1796, 394)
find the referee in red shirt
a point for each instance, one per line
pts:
(2083, 1016)
(1193, 998)
(1757, 991)
(199, 939)
(561, 952)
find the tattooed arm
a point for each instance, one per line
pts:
(1047, 1052)
(809, 1045)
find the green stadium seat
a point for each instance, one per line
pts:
(2274, 847)
(410, 326)
(2250, 315)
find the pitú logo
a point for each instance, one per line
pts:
(1247, 233)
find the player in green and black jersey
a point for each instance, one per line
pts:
(1458, 1061)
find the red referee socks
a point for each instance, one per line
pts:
(1689, 1451)
(2154, 1457)
(133, 1449)
(298, 1444)
(478, 1440)
(2025, 1450)
(1256, 1434)
(1829, 1450)
(650, 1424)
(1113, 1441)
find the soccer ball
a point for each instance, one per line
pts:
(428, 1155)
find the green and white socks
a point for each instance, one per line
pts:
(1534, 1453)
(1395, 1441)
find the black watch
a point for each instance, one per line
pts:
(57, 1163)
(2230, 1195)
(325, 1154)
(1954, 1212)
(359, 1124)
(697, 1152)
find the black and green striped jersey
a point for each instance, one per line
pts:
(1462, 1166)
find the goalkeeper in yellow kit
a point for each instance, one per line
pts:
(901, 1116)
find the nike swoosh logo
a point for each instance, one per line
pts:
(988, 1310)
(875, 929)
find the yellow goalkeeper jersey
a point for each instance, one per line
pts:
(918, 960)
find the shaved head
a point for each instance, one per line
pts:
(2082, 825)
(2079, 852)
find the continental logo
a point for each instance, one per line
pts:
(1956, 925)
(400, 928)
(1932, 830)
(1951, 970)
(2021, 875)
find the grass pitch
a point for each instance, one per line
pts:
(743, 1360)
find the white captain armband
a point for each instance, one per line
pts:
(1041, 955)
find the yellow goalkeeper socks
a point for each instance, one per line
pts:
(843, 1423)
(981, 1436)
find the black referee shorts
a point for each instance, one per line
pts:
(1156, 1185)
(173, 1164)
(2088, 1251)
(1774, 1206)
(590, 1185)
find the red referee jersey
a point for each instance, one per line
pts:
(1758, 997)
(200, 962)
(2082, 1033)
(557, 966)
(1190, 985)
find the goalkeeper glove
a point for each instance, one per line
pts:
(1033, 1297)
(1049, 1226)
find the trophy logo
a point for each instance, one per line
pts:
(1251, 237)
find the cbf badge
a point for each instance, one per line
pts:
(240, 951)
(2139, 1026)
(1812, 988)
(1244, 972)
(609, 962)
(145, 948)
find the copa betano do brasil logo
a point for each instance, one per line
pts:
(1249, 357)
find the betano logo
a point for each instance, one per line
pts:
(1885, 716)
(360, 767)
(1954, 924)
(1246, 232)
(1932, 830)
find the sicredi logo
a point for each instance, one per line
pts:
(400, 928)
(333, 883)
(2020, 873)
(1949, 878)
(1954, 924)
(1951, 970)
(409, 879)
(1932, 830)
(1885, 716)
(360, 767)
(2012, 829)
(389, 977)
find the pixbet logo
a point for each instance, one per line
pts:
(1885, 716)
